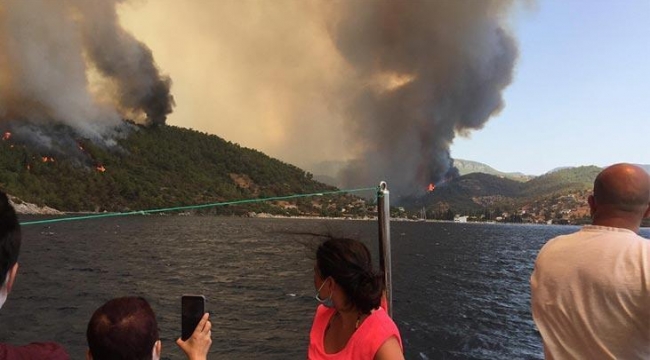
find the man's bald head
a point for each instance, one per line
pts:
(624, 187)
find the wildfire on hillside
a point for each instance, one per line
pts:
(431, 187)
(47, 159)
(100, 168)
(6, 136)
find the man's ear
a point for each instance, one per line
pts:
(592, 204)
(157, 350)
(89, 356)
(11, 276)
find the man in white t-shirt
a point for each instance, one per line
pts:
(590, 290)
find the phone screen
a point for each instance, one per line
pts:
(192, 310)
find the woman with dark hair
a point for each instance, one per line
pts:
(351, 322)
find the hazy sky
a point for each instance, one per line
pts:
(577, 97)
(581, 93)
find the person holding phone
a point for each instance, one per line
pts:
(126, 328)
(192, 316)
(350, 322)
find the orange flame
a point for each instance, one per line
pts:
(6, 136)
(431, 187)
(100, 168)
(44, 158)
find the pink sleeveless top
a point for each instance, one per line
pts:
(363, 344)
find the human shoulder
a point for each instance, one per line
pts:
(379, 327)
(567, 239)
(380, 316)
(386, 336)
(33, 351)
(390, 350)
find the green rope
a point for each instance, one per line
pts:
(189, 207)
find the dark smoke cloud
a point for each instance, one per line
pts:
(70, 62)
(387, 83)
(434, 69)
(125, 60)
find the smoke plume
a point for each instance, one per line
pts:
(70, 62)
(384, 85)
(434, 69)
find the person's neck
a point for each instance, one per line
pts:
(349, 317)
(617, 222)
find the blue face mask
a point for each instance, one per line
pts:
(326, 302)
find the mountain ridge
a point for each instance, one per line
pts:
(557, 197)
(172, 166)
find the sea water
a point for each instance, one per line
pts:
(461, 291)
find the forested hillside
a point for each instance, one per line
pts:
(160, 167)
(557, 196)
(564, 180)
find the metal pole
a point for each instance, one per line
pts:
(385, 263)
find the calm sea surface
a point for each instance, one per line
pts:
(461, 291)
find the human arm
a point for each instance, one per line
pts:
(198, 345)
(390, 350)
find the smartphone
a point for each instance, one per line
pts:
(192, 310)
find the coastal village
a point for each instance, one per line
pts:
(570, 209)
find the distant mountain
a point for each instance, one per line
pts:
(479, 193)
(468, 167)
(558, 169)
(327, 171)
(468, 193)
(562, 180)
(645, 167)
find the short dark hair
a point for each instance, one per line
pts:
(123, 328)
(348, 261)
(9, 236)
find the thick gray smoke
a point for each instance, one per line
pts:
(389, 83)
(434, 69)
(70, 62)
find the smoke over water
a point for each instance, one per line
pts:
(70, 62)
(434, 69)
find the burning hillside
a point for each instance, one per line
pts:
(76, 66)
(191, 169)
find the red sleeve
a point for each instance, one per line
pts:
(34, 351)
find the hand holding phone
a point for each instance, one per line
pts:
(192, 310)
(196, 333)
